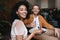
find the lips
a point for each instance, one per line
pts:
(24, 14)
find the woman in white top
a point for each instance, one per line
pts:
(18, 30)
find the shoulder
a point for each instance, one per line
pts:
(18, 22)
(40, 16)
(31, 15)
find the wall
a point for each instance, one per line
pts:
(57, 4)
(51, 3)
(41, 3)
(44, 3)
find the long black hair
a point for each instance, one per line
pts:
(15, 8)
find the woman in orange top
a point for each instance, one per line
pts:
(36, 20)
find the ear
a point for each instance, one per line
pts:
(32, 9)
(16, 12)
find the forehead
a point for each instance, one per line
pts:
(22, 6)
(35, 6)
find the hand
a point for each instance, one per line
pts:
(56, 32)
(37, 32)
(33, 24)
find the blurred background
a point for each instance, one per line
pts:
(50, 10)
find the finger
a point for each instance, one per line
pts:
(55, 33)
(58, 35)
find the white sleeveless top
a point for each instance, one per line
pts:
(37, 25)
(36, 21)
(21, 31)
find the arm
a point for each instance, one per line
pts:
(45, 24)
(33, 34)
(12, 37)
(48, 26)
(30, 36)
(17, 31)
(19, 37)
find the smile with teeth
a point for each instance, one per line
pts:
(24, 14)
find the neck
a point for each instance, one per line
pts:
(21, 19)
(35, 15)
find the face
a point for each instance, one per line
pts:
(35, 9)
(22, 11)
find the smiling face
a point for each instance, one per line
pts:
(22, 11)
(35, 9)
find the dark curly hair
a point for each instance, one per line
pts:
(15, 8)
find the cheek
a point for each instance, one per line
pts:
(33, 10)
(19, 13)
(38, 10)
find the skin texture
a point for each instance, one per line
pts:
(22, 11)
(35, 10)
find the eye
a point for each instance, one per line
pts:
(23, 9)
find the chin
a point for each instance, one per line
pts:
(35, 13)
(24, 17)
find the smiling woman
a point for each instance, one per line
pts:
(18, 30)
(19, 13)
(22, 11)
(37, 22)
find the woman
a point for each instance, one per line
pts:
(36, 20)
(19, 31)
